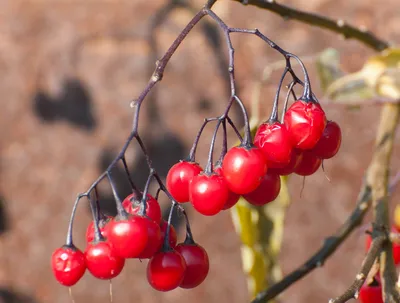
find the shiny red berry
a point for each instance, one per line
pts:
(178, 179)
(243, 169)
(128, 236)
(232, 197)
(166, 270)
(208, 193)
(371, 293)
(274, 141)
(68, 264)
(295, 160)
(266, 192)
(197, 264)
(154, 240)
(131, 205)
(305, 122)
(330, 141)
(173, 239)
(102, 261)
(309, 164)
(103, 226)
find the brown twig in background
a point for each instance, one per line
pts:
(338, 26)
(378, 175)
(373, 252)
(328, 248)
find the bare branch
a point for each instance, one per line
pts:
(368, 262)
(378, 175)
(338, 26)
(328, 248)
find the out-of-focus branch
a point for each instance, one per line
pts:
(378, 175)
(338, 26)
(366, 266)
(328, 248)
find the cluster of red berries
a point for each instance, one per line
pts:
(134, 235)
(298, 145)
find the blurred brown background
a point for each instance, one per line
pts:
(69, 69)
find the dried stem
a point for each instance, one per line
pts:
(338, 26)
(368, 262)
(378, 175)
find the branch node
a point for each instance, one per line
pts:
(360, 276)
(340, 23)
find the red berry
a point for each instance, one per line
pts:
(68, 265)
(274, 141)
(232, 197)
(295, 159)
(371, 293)
(243, 169)
(128, 236)
(305, 122)
(166, 270)
(309, 164)
(330, 141)
(154, 240)
(153, 209)
(208, 193)
(103, 226)
(102, 261)
(173, 239)
(197, 264)
(266, 192)
(178, 179)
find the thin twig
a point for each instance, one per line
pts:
(328, 248)
(338, 26)
(378, 176)
(368, 262)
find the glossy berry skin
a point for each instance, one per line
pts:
(173, 239)
(68, 264)
(305, 122)
(371, 293)
(232, 197)
(128, 236)
(309, 164)
(197, 264)
(295, 159)
(330, 141)
(179, 177)
(274, 141)
(243, 169)
(266, 192)
(103, 226)
(208, 193)
(102, 261)
(166, 270)
(153, 210)
(154, 240)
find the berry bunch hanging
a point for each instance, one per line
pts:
(297, 143)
